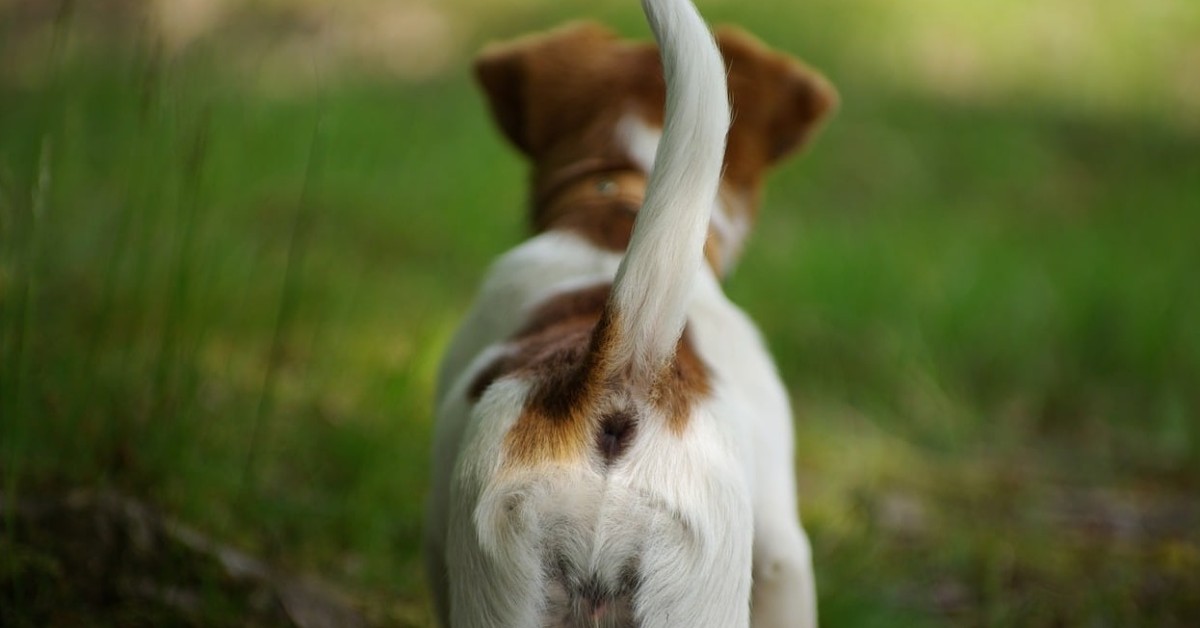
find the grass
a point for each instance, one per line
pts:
(230, 301)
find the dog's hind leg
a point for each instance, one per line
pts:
(784, 590)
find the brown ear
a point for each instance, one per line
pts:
(778, 101)
(500, 69)
(531, 82)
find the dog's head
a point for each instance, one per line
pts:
(578, 100)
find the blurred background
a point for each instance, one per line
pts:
(236, 236)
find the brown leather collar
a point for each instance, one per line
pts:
(553, 184)
(586, 184)
(599, 200)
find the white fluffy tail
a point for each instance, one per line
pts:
(648, 304)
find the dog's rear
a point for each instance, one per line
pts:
(591, 468)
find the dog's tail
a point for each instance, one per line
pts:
(647, 306)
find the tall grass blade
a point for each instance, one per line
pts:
(168, 393)
(288, 301)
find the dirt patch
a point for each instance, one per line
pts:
(99, 558)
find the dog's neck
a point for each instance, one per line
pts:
(598, 198)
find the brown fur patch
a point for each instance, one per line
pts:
(557, 350)
(578, 306)
(554, 422)
(684, 381)
(555, 334)
(568, 376)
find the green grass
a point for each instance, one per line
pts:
(231, 302)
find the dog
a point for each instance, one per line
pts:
(613, 444)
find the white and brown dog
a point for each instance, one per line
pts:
(613, 443)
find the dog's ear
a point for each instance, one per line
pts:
(777, 101)
(540, 84)
(500, 70)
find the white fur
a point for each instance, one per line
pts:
(743, 437)
(639, 139)
(654, 282)
(678, 506)
(695, 511)
(731, 225)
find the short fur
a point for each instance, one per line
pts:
(613, 445)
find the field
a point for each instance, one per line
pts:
(233, 245)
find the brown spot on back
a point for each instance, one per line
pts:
(555, 349)
(553, 424)
(486, 376)
(560, 350)
(685, 380)
(568, 376)
(583, 306)
(553, 338)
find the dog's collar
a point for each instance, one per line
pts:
(600, 198)
(588, 182)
